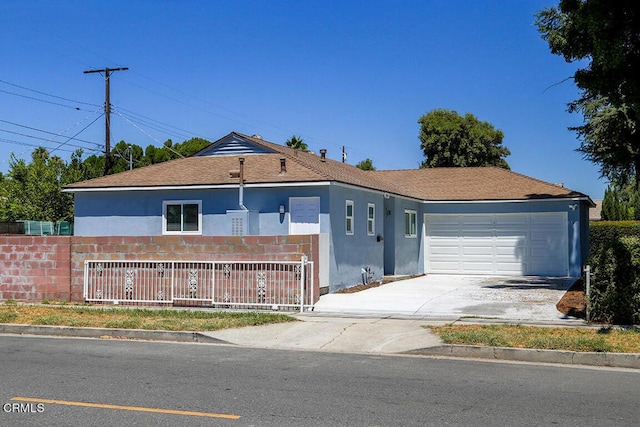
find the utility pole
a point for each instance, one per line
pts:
(107, 115)
(344, 155)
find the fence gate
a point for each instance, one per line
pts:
(231, 284)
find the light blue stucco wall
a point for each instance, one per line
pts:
(577, 220)
(139, 213)
(354, 252)
(402, 253)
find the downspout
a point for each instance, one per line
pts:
(241, 187)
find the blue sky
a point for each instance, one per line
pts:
(357, 74)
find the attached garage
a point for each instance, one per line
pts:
(502, 244)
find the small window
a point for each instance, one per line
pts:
(371, 219)
(349, 217)
(182, 217)
(410, 223)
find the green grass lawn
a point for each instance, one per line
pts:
(571, 339)
(135, 318)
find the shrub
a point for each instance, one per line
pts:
(601, 233)
(615, 291)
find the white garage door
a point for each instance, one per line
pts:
(505, 244)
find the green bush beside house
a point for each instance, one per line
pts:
(615, 263)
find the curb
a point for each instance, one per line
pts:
(138, 334)
(616, 360)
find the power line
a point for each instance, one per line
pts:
(78, 133)
(254, 122)
(149, 135)
(40, 138)
(26, 144)
(154, 124)
(107, 114)
(43, 100)
(44, 93)
(53, 133)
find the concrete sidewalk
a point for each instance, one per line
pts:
(346, 335)
(335, 334)
(391, 319)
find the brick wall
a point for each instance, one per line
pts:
(34, 268)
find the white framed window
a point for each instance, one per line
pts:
(410, 223)
(182, 217)
(371, 219)
(348, 226)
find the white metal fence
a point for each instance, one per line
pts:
(233, 284)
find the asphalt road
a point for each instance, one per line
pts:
(60, 381)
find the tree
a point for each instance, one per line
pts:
(605, 37)
(120, 161)
(32, 191)
(611, 206)
(366, 165)
(621, 204)
(448, 139)
(297, 143)
(192, 146)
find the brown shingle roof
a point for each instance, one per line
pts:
(475, 183)
(258, 169)
(435, 184)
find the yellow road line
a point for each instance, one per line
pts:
(127, 408)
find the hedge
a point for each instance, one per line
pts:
(615, 261)
(603, 232)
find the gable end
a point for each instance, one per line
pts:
(233, 145)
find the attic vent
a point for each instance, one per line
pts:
(256, 136)
(323, 155)
(283, 165)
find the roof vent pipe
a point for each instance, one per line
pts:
(283, 165)
(241, 187)
(323, 155)
(241, 159)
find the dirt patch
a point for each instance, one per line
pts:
(574, 302)
(358, 288)
(362, 287)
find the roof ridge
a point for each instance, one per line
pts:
(299, 156)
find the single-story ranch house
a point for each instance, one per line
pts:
(400, 222)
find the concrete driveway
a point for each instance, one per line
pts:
(454, 296)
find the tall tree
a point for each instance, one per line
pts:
(366, 165)
(297, 142)
(605, 37)
(621, 203)
(32, 191)
(449, 139)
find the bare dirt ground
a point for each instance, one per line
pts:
(574, 302)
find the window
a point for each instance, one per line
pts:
(349, 217)
(410, 223)
(371, 219)
(182, 217)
